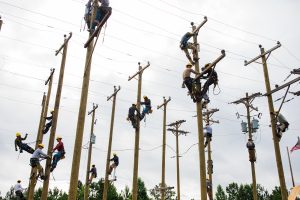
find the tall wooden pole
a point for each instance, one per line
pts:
(88, 166)
(163, 165)
(55, 115)
(290, 164)
(254, 188)
(113, 96)
(137, 134)
(81, 115)
(39, 139)
(273, 125)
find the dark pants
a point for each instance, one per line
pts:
(145, 111)
(47, 127)
(132, 118)
(26, 147)
(188, 83)
(19, 195)
(101, 11)
(56, 158)
(206, 85)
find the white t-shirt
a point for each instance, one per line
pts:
(18, 187)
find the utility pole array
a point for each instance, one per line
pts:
(163, 165)
(247, 101)
(177, 132)
(113, 96)
(137, 132)
(263, 55)
(39, 138)
(208, 114)
(91, 142)
(63, 47)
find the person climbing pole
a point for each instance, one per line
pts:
(60, 154)
(49, 124)
(147, 108)
(35, 161)
(93, 173)
(212, 78)
(207, 134)
(209, 189)
(188, 80)
(133, 115)
(88, 13)
(22, 146)
(281, 124)
(19, 190)
(251, 148)
(100, 13)
(185, 45)
(115, 163)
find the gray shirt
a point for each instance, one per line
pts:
(281, 119)
(38, 153)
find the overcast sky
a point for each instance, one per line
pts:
(142, 31)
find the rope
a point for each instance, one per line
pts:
(218, 88)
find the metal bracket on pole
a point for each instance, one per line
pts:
(140, 71)
(165, 102)
(51, 74)
(63, 45)
(200, 25)
(94, 108)
(282, 86)
(115, 92)
(211, 64)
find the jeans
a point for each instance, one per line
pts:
(56, 158)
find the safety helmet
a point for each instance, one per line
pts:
(19, 181)
(18, 134)
(41, 145)
(93, 165)
(189, 65)
(51, 111)
(114, 154)
(206, 65)
(58, 137)
(133, 104)
(145, 97)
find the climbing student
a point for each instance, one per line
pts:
(87, 13)
(19, 190)
(115, 163)
(60, 154)
(207, 134)
(209, 189)
(211, 76)
(187, 79)
(22, 146)
(185, 45)
(281, 124)
(100, 13)
(49, 124)
(93, 173)
(133, 114)
(250, 144)
(251, 148)
(147, 108)
(35, 160)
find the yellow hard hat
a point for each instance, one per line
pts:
(58, 137)
(51, 111)
(18, 134)
(41, 145)
(114, 154)
(189, 65)
(145, 97)
(206, 65)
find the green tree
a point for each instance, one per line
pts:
(220, 194)
(276, 193)
(126, 194)
(142, 190)
(232, 190)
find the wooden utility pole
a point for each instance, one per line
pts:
(39, 138)
(163, 165)
(247, 101)
(1, 22)
(290, 164)
(81, 114)
(88, 166)
(64, 46)
(137, 132)
(177, 132)
(113, 96)
(263, 54)
(208, 114)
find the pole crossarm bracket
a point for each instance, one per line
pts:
(115, 92)
(295, 93)
(165, 102)
(180, 132)
(211, 111)
(265, 53)
(176, 123)
(245, 99)
(94, 108)
(63, 45)
(213, 64)
(200, 25)
(211, 120)
(140, 71)
(51, 75)
(296, 71)
(282, 86)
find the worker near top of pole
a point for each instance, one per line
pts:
(185, 45)
(60, 154)
(207, 133)
(147, 108)
(93, 172)
(49, 124)
(115, 163)
(22, 146)
(251, 148)
(35, 160)
(212, 78)
(100, 13)
(188, 80)
(19, 190)
(133, 115)
(281, 124)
